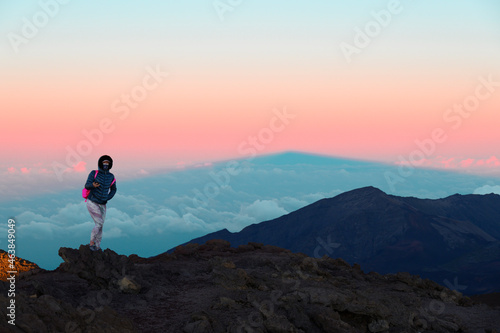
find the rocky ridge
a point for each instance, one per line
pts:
(217, 288)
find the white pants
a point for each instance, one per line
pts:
(98, 213)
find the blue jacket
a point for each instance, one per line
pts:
(105, 191)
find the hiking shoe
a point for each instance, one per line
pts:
(93, 248)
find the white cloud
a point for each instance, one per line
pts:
(130, 205)
(344, 172)
(37, 230)
(142, 172)
(80, 229)
(241, 221)
(80, 167)
(71, 213)
(291, 204)
(487, 189)
(113, 233)
(190, 222)
(263, 210)
(313, 197)
(28, 217)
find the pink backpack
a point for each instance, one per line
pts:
(85, 192)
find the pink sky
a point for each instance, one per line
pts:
(226, 78)
(190, 119)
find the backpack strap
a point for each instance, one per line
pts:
(95, 175)
(114, 179)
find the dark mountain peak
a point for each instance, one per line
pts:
(361, 195)
(364, 191)
(363, 198)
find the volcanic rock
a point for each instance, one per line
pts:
(214, 287)
(21, 266)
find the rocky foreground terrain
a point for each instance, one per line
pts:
(216, 288)
(20, 265)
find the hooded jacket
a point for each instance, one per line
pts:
(105, 191)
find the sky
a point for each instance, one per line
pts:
(176, 87)
(169, 84)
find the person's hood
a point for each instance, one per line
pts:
(103, 158)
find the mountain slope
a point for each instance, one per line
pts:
(443, 239)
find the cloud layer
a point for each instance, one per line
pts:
(152, 214)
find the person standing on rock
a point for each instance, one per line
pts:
(102, 188)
